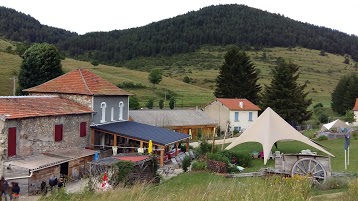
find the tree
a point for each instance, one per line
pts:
(41, 63)
(133, 103)
(155, 76)
(161, 103)
(345, 94)
(150, 104)
(172, 103)
(95, 63)
(285, 96)
(349, 116)
(186, 79)
(237, 77)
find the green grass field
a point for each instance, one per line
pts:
(321, 73)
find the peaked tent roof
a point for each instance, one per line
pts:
(234, 104)
(334, 124)
(79, 81)
(269, 128)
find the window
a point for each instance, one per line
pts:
(112, 114)
(58, 132)
(83, 129)
(121, 110)
(236, 128)
(250, 116)
(11, 142)
(103, 107)
(236, 116)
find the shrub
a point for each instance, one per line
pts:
(150, 104)
(318, 105)
(186, 163)
(186, 79)
(198, 165)
(218, 157)
(240, 158)
(203, 148)
(322, 138)
(355, 134)
(334, 183)
(131, 85)
(323, 118)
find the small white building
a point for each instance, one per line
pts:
(238, 114)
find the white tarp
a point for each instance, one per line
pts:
(334, 124)
(269, 128)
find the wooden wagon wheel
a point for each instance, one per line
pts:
(311, 168)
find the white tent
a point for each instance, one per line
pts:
(334, 124)
(269, 128)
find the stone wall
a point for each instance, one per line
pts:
(84, 100)
(36, 135)
(15, 171)
(76, 168)
(42, 175)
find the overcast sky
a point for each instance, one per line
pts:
(105, 15)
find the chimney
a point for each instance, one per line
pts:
(241, 104)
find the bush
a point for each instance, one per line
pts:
(334, 183)
(323, 118)
(198, 165)
(131, 85)
(240, 158)
(218, 157)
(186, 163)
(322, 138)
(355, 134)
(318, 105)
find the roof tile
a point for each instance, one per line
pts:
(79, 81)
(355, 108)
(234, 104)
(16, 107)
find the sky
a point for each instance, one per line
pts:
(106, 15)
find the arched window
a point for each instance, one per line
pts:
(121, 104)
(103, 108)
(112, 114)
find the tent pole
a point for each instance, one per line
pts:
(348, 155)
(345, 159)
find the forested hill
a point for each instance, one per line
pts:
(17, 26)
(213, 25)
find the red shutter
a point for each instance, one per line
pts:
(11, 142)
(58, 132)
(83, 129)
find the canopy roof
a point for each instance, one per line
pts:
(269, 128)
(334, 124)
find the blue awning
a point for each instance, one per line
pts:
(144, 132)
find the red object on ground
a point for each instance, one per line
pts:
(105, 180)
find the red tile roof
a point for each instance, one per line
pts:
(79, 81)
(15, 107)
(234, 104)
(355, 108)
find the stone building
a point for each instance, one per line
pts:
(54, 130)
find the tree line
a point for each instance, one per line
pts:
(213, 25)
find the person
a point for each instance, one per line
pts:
(60, 183)
(52, 182)
(43, 188)
(4, 187)
(15, 191)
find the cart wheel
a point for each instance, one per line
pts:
(311, 168)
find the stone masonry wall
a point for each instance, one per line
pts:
(36, 135)
(42, 175)
(76, 168)
(84, 100)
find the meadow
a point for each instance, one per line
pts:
(321, 73)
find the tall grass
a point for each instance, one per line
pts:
(205, 186)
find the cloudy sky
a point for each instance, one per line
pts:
(105, 15)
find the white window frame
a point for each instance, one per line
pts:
(103, 111)
(250, 115)
(236, 119)
(120, 105)
(112, 114)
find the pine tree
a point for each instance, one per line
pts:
(237, 77)
(41, 63)
(345, 94)
(285, 96)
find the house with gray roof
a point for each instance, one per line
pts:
(188, 121)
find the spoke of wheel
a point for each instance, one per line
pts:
(317, 172)
(319, 177)
(298, 166)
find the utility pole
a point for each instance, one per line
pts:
(14, 85)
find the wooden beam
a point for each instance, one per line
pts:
(115, 140)
(176, 148)
(140, 144)
(162, 148)
(92, 139)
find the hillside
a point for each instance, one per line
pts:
(320, 72)
(213, 25)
